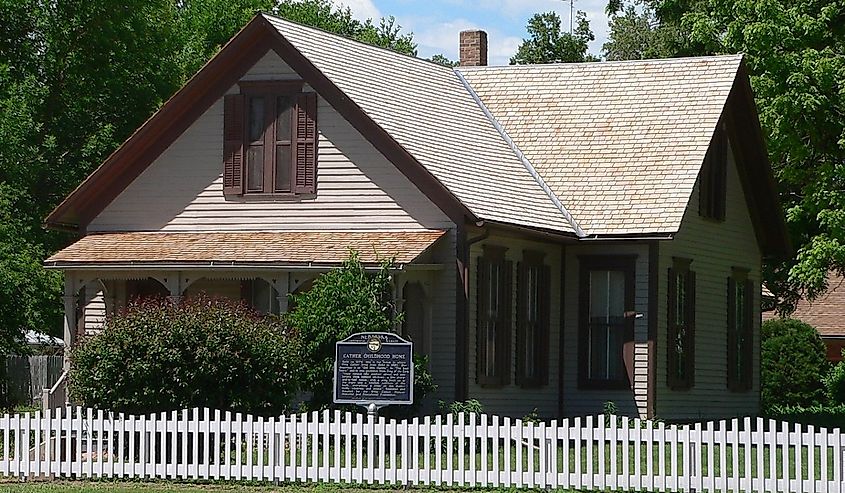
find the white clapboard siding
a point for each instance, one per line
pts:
(715, 248)
(357, 187)
(595, 452)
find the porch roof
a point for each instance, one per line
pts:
(285, 248)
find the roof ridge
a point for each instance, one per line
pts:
(677, 59)
(521, 156)
(353, 40)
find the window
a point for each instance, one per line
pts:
(740, 330)
(714, 176)
(532, 328)
(270, 143)
(680, 339)
(493, 326)
(260, 295)
(606, 300)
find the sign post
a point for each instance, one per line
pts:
(373, 370)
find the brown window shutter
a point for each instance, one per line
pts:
(732, 356)
(481, 297)
(233, 141)
(506, 318)
(689, 343)
(305, 154)
(545, 323)
(521, 321)
(748, 339)
(672, 332)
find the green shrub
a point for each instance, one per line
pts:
(792, 365)
(342, 302)
(834, 383)
(827, 416)
(469, 406)
(203, 352)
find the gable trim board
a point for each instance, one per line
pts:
(755, 171)
(152, 138)
(196, 96)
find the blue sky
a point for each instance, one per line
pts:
(436, 23)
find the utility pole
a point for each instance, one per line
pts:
(571, 11)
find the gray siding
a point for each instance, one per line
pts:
(357, 187)
(714, 247)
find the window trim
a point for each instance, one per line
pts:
(713, 181)
(680, 266)
(271, 91)
(744, 381)
(502, 362)
(303, 142)
(532, 259)
(627, 265)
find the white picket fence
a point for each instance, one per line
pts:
(466, 450)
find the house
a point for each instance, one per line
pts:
(565, 235)
(826, 313)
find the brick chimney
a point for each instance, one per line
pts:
(473, 48)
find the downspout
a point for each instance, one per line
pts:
(462, 309)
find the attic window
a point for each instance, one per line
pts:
(714, 177)
(270, 145)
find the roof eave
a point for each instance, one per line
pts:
(755, 170)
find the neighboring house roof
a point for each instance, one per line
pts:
(826, 313)
(35, 338)
(601, 149)
(328, 247)
(621, 143)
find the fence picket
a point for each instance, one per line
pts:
(454, 450)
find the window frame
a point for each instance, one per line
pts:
(271, 91)
(494, 255)
(740, 353)
(621, 263)
(680, 271)
(713, 182)
(533, 260)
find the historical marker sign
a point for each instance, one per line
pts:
(374, 368)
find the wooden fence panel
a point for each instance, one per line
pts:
(464, 450)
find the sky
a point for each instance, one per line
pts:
(436, 23)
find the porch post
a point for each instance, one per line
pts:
(71, 302)
(174, 286)
(282, 287)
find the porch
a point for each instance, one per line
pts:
(105, 272)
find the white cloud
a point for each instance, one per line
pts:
(361, 9)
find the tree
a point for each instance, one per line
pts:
(440, 59)
(792, 365)
(340, 303)
(548, 44)
(794, 54)
(634, 33)
(29, 294)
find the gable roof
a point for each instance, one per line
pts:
(826, 313)
(621, 143)
(598, 149)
